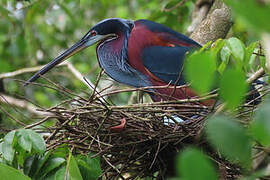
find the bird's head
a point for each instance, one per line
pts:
(104, 30)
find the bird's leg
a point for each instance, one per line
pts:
(139, 96)
(119, 127)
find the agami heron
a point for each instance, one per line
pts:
(138, 53)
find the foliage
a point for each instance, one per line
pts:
(193, 164)
(222, 66)
(23, 153)
(32, 32)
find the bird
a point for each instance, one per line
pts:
(139, 53)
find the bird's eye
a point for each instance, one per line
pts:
(93, 33)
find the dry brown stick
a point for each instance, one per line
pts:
(38, 123)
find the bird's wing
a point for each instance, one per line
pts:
(167, 34)
(165, 63)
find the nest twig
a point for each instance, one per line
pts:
(150, 140)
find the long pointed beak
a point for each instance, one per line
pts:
(79, 46)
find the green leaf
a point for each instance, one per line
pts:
(41, 163)
(193, 164)
(249, 51)
(7, 147)
(260, 127)
(200, 71)
(24, 139)
(73, 169)
(238, 50)
(225, 54)
(61, 174)
(230, 138)
(30, 165)
(89, 167)
(252, 13)
(51, 165)
(256, 175)
(233, 87)
(218, 45)
(37, 141)
(8, 172)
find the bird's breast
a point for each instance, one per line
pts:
(111, 58)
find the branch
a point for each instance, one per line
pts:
(70, 67)
(22, 71)
(200, 12)
(266, 44)
(79, 76)
(216, 25)
(21, 104)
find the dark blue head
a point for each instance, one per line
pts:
(112, 26)
(102, 31)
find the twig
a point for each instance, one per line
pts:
(39, 122)
(174, 7)
(13, 118)
(69, 65)
(23, 71)
(22, 104)
(79, 76)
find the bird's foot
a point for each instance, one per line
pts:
(119, 127)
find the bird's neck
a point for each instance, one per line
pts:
(112, 57)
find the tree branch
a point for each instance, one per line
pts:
(5, 99)
(216, 25)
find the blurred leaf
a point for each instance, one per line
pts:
(7, 146)
(50, 165)
(256, 175)
(233, 87)
(230, 138)
(250, 58)
(199, 70)
(30, 165)
(7, 14)
(38, 142)
(193, 164)
(61, 174)
(252, 13)
(218, 45)
(73, 169)
(24, 139)
(8, 172)
(5, 66)
(249, 51)
(237, 49)
(225, 54)
(89, 167)
(40, 164)
(260, 127)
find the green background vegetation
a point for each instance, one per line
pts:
(33, 32)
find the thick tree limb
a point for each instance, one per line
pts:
(200, 12)
(216, 25)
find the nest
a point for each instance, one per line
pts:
(149, 141)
